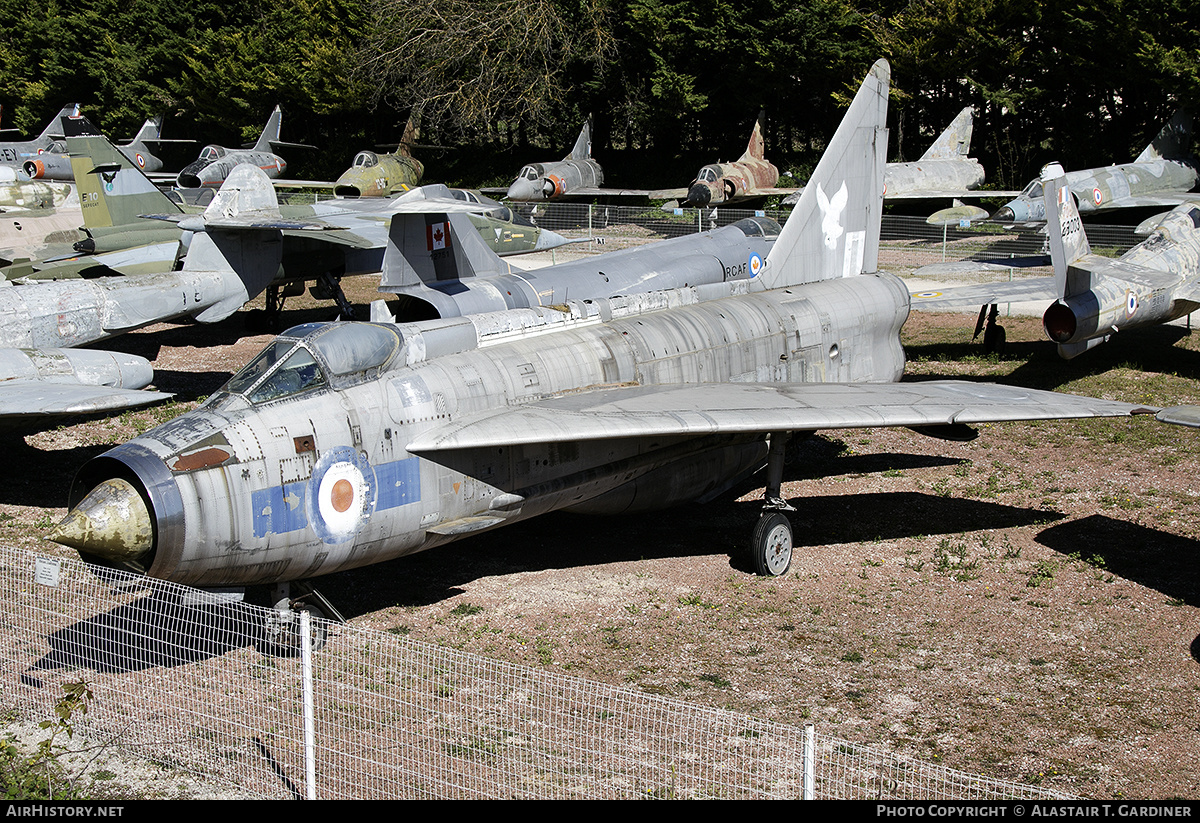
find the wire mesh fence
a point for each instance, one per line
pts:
(216, 688)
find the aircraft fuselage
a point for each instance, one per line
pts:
(294, 472)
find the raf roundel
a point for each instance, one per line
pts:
(341, 495)
(756, 264)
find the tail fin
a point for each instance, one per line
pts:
(1174, 142)
(53, 130)
(834, 230)
(955, 141)
(432, 247)
(583, 144)
(149, 131)
(254, 256)
(1064, 229)
(270, 133)
(112, 190)
(408, 139)
(755, 149)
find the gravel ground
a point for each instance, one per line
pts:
(1024, 606)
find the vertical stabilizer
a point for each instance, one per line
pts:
(270, 134)
(834, 229)
(431, 247)
(583, 144)
(755, 149)
(1174, 142)
(53, 129)
(408, 139)
(253, 256)
(112, 190)
(955, 141)
(1064, 229)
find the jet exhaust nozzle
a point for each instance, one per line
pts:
(1060, 322)
(112, 523)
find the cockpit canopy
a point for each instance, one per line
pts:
(366, 159)
(315, 355)
(1034, 190)
(759, 227)
(211, 153)
(530, 173)
(709, 174)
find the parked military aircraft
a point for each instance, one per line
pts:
(575, 174)
(945, 170)
(1162, 175)
(347, 444)
(1156, 281)
(215, 163)
(20, 195)
(57, 166)
(382, 175)
(15, 153)
(750, 176)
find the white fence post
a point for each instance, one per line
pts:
(306, 674)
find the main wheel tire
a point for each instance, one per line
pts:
(771, 545)
(994, 339)
(285, 642)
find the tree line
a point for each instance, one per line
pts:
(668, 83)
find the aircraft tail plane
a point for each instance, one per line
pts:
(755, 149)
(1174, 142)
(112, 190)
(955, 141)
(53, 129)
(435, 247)
(834, 229)
(1067, 238)
(583, 143)
(270, 134)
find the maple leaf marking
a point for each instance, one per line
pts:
(831, 213)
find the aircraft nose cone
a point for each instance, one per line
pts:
(699, 195)
(522, 189)
(112, 523)
(1004, 215)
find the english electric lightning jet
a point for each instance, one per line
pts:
(347, 444)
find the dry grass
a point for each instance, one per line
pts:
(1023, 606)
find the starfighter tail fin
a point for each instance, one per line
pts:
(583, 143)
(834, 230)
(955, 141)
(270, 134)
(432, 247)
(755, 149)
(112, 190)
(1064, 230)
(1174, 142)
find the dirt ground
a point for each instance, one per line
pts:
(1024, 606)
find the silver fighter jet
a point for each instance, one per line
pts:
(1162, 175)
(347, 444)
(1093, 296)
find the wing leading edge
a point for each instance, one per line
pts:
(747, 408)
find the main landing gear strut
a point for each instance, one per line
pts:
(771, 544)
(994, 336)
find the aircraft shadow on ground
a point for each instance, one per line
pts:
(1156, 559)
(1151, 349)
(154, 631)
(47, 487)
(564, 541)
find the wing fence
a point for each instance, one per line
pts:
(217, 689)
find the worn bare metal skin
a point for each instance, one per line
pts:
(347, 444)
(111, 523)
(751, 175)
(577, 173)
